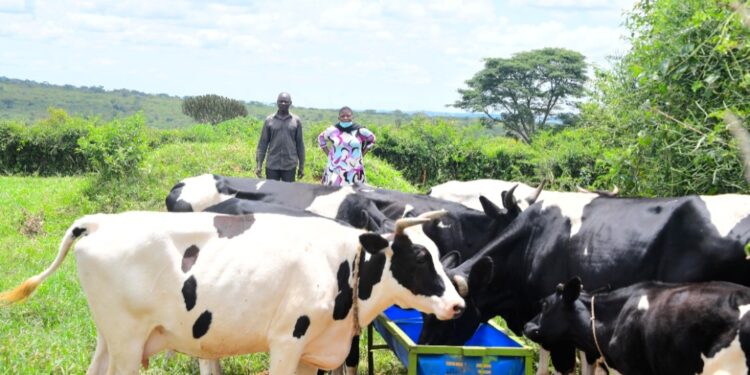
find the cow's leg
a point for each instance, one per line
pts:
(100, 362)
(305, 369)
(352, 360)
(543, 365)
(209, 366)
(126, 339)
(586, 367)
(284, 356)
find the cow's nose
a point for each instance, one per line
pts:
(531, 330)
(457, 311)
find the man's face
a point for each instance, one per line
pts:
(283, 103)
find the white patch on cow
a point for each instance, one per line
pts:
(467, 192)
(201, 193)
(443, 225)
(726, 210)
(730, 360)
(643, 303)
(407, 209)
(586, 250)
(328, 205)
(571, 206)
(261, 183)
(743, 309)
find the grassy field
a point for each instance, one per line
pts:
(52, 332)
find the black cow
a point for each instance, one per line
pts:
(608, 242)
(651, 327)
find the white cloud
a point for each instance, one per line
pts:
(390, 53)
(14, 6)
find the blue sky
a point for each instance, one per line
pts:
(387, 55)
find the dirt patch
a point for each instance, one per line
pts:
(32, 224)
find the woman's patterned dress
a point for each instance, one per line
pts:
(345, 147)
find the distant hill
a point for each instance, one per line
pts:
(28, 101)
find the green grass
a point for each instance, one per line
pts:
(52, 332)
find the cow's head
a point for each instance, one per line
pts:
(467, 230)
(561, 313)
(410, 274)
(195, 194)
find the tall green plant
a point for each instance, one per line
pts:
(213, 109)
(117, 148)
(664, 99)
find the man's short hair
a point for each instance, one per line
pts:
(345, 108)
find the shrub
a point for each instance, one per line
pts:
(116, 149)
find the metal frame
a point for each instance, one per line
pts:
(413, 349)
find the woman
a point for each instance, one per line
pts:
(345, 144)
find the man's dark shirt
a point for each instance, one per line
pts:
(282, 138)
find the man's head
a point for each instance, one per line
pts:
(283, 102)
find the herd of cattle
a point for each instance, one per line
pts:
(638, 285)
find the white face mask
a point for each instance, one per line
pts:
(345, 124)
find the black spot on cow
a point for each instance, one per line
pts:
(189, 258)
(200, 327)
(232, 226)
(300, 328)
(655, 209)
(78, 231)
(745, 337)
(189, 288)
(343, 302)
(352, 360)
(371, 271)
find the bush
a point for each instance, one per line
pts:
(48, 147)
(116, 148)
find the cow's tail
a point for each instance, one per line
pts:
(79, 228)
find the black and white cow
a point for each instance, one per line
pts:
(608, 242)
(653, 328)
(212, 285)
(461, 230)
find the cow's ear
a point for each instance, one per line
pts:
(451, 260)
(481, 273)
(491, 209)
(367, 222)
(373, 243)
(572, 290)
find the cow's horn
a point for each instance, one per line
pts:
(406, 222)
(615, 191)
(582, 190)
(461, 286)
(533, 197)
(432, 215)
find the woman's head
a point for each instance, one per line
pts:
(345, 115)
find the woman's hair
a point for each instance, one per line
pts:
(345, 109)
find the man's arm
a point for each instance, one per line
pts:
(300, 150)
(260, 152)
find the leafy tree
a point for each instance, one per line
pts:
(523, 91)
(213, 109)
(664, 100)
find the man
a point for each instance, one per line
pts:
(282, 138)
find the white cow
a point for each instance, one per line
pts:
(211, 285)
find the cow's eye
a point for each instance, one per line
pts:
(422, 256)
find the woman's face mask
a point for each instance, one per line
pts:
(345, 124)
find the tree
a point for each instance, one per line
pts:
(523, 91)
(212, 109)
(664, 100)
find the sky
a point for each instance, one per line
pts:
(385, 55)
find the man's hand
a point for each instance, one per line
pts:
(300, 174)
(257, 172)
